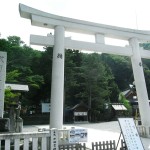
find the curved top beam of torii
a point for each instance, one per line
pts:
(47, 20)
(43, 19)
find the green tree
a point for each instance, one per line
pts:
(121, 69)
(99, 81)
(43, 67)
(94, 79)
(73, 77)
(12, 76)
(126, 103)
(15, 40)
(21, 68)
(89, 80)
(10, 97)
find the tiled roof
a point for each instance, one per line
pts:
(17, 87)
(119, 107)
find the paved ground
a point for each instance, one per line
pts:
(96, 132)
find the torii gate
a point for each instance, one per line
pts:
(60, 25)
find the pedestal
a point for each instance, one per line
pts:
(19, 125)
(4, 125)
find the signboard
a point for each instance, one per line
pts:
(80, 113)
(45, 107)
(77, 135)
(130, 134)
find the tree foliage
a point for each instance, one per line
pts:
(126, 103)
(121, 69)
(19, 66)
(95, 79)
(10, 97)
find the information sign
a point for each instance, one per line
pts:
(45, 107)
(130, 134)
(77, 135)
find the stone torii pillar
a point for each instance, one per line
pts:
(57, 87)
(140, 83)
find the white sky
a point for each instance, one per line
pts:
(133, 14)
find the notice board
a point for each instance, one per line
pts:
(130, 134)
(78, 135)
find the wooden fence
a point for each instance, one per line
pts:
(41, 141)
(24, 141)
(105, 145)
(73, 147)
(108, 145)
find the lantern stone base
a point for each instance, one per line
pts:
(4, 124)
(19, 124)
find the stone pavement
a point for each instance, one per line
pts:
(97, 132)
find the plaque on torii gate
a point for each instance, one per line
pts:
(60, 42)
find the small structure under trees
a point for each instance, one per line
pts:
(118, 109)
(80, 112)
(77, 114)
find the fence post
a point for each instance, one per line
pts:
(54, 139)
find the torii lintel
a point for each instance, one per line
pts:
(88, 46)
(47, 20)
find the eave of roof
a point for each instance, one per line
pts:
(17, 87)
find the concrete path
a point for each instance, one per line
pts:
(97, 132)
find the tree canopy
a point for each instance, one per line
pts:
(94, 78)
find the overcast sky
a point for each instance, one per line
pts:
(133, 14)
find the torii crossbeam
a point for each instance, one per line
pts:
(60, 25)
